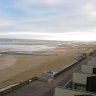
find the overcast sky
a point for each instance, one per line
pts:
(47, 16)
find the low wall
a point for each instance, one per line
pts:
(69, 65)
(6, 91)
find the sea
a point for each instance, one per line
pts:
(26, 48)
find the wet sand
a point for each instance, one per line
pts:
(28, 66)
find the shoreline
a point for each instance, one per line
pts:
(29, 66)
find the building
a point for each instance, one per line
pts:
(69, 92)
(82, 81)
(88, 69)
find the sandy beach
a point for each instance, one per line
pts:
(18, 68)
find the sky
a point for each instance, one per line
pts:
(48, 19)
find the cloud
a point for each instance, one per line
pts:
(38, 2)
(53, 2)
(48, 15)
(90, 11)
(71, 36)
(6, 22)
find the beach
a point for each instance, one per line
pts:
(20, 67)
